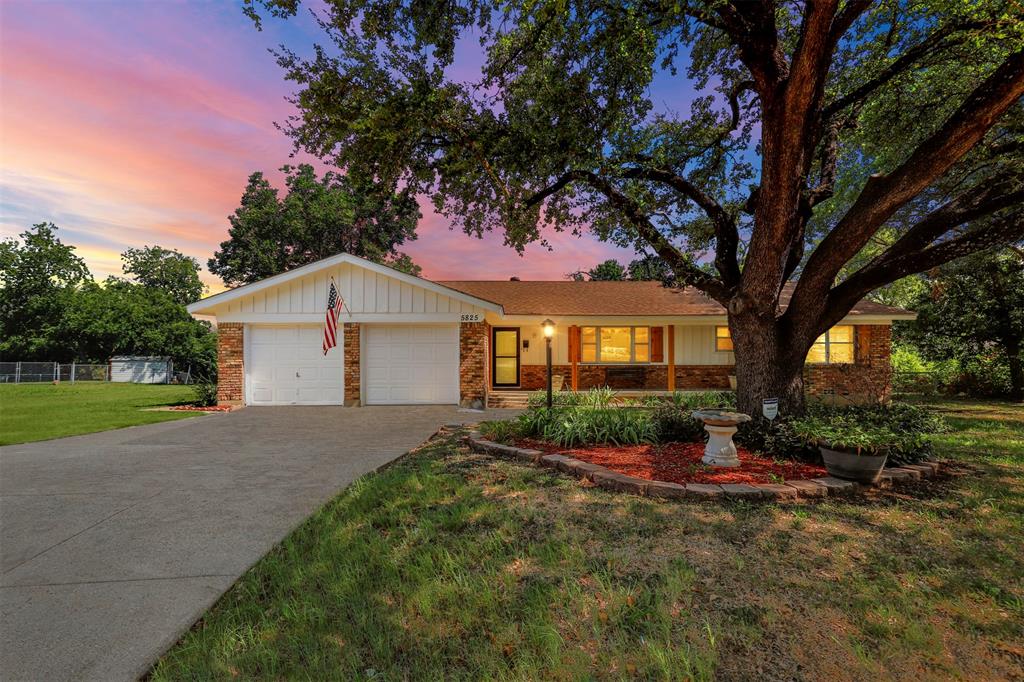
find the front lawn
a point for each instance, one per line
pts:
(31, 412)
(452, 565)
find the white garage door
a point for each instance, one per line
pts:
(286, 366)
(411, 364)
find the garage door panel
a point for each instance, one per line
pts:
(411, 364)
(286, 365)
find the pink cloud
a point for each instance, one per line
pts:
(132, 124)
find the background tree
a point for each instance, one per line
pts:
(124, 318)
(315, 219)
(38, 277)
(650, 268)
(610, 270)
(167, 270)
(51, 309)
(910, 110)
(976, 308)
(646, 269)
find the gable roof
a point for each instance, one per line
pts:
(618, 298)
(204, 306)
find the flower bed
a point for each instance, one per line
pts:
(197, 408)
(681, 463)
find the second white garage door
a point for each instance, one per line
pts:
(411, 364)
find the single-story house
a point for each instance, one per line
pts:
(408, 340)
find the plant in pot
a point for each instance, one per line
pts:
(850, 449)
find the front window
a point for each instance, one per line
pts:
(615, 344)
(833, 347)
(723, 340)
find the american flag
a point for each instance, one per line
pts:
(334, 304)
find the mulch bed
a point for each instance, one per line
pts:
(680, 463)
(196, 408)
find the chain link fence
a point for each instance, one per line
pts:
(45, 372)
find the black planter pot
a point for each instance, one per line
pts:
(853, 466)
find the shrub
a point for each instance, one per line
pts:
(675, 424)
(776, 438)
(900, 427)
(572, 426)
(595, 397)
(205, 394)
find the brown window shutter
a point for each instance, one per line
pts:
(574, 344)
(657, 344)
(862, 344)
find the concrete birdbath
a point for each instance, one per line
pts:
(720, 425)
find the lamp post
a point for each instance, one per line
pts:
(549, 331)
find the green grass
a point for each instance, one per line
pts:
(31, 412)
(451, 565)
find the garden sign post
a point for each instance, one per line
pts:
(770, 408)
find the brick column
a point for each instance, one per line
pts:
(352, 356)
(473, 364)
(230, 369)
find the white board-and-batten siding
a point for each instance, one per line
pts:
(369, 297)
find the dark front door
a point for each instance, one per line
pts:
(505, 363)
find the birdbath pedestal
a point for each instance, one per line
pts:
(720, 425)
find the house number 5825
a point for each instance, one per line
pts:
(471, 317)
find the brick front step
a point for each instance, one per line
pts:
(788, 491)
(508, 400)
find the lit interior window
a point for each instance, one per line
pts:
(723, 340)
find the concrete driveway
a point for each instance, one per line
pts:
(113, 544)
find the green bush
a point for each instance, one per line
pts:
(776, 438)
(675, 424)
(205, 394)
(901, 428)
(572, 426)
(595, 397)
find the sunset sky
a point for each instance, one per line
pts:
(132, 123)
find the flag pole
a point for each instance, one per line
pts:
(344, 304)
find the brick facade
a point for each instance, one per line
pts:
(703, 377)
(230, 364)
(352, 363)
(474, 361)
(869, 379)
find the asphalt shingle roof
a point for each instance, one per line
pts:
(611, 298)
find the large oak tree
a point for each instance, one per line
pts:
(819, 125)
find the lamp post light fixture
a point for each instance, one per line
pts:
(549, 331)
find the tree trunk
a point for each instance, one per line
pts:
(767, 366)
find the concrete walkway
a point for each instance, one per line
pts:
(113, 544)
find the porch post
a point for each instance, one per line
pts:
(671, 357)
(574, 357)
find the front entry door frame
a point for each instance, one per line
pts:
(495, 356)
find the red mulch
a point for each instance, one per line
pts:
(195, 408)
(680, 463)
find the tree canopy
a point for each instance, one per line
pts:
(976, 307)
(53, 310)
(816, 125)
(167, 270)
(317, 217)
(646, 268)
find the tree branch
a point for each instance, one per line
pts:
(844, 296)
(935, 40)
(686, 271)
(726, 234)
(883, 195)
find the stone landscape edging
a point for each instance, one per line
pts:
(608, 479)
